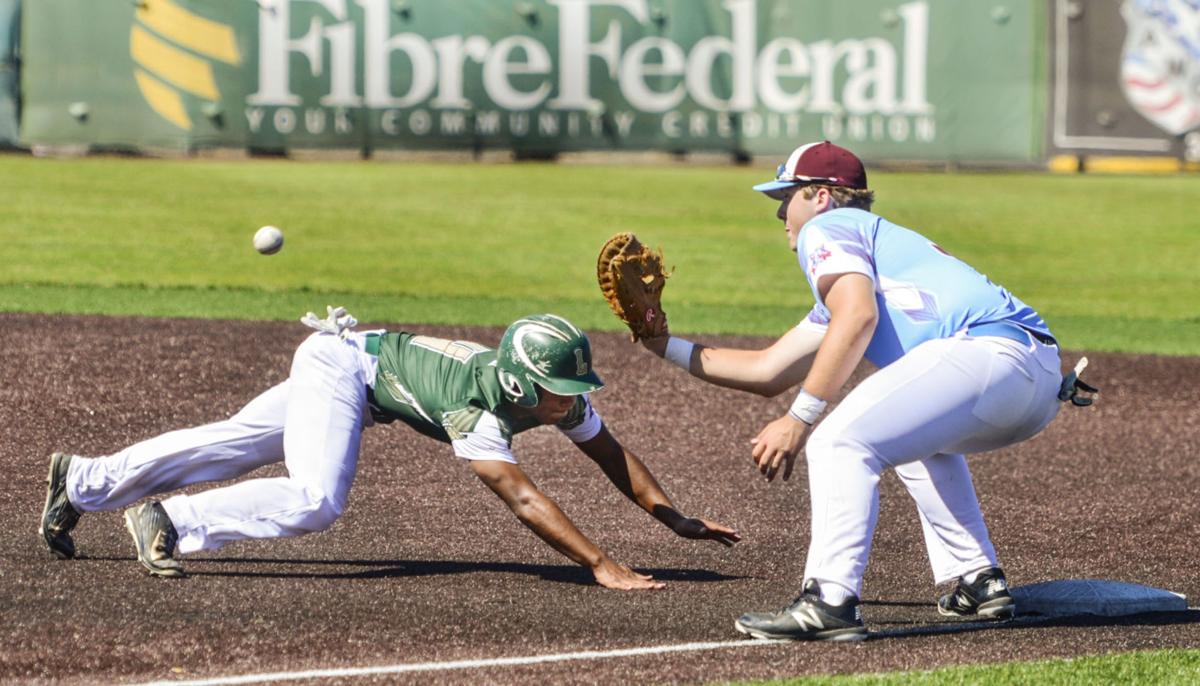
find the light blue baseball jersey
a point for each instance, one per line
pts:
(922, 292)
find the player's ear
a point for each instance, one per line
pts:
(825, 199)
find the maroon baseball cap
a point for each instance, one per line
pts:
(822, 162)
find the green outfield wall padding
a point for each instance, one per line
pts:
(10, 25)
(922, 80)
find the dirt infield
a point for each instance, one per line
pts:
(426, 565)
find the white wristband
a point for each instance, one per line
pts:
(679, 352)
(807, 407)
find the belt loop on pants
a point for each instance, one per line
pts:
(1011, 331)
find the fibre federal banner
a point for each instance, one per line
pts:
(925, 79)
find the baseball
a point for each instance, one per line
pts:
(268, 240)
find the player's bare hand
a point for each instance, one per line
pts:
(615, 575)
(777, 445)
(694, 527)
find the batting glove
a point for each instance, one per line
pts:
(338, 322)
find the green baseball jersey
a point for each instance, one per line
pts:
(443, 388)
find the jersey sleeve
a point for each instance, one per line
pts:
(485, 441)
(582, 423)
(833, 245)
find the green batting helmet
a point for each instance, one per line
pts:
(548, 351)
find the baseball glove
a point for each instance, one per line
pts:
(631, 278)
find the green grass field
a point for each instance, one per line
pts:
(1109, 262)
(1150, 667)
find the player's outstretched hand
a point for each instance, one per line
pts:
(694, 527)
(337, 321)
(615, 575)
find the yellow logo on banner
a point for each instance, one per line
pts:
(168, 44)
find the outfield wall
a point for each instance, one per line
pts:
(10, 24)
(917, 80)
(1125, 78)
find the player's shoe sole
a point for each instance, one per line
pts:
(838, 635)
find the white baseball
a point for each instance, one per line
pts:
(268, 240)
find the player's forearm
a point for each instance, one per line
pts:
(743, 370)
(630, 476)
(643, 489)
(545, 519)
(767, 372)
(752, 371)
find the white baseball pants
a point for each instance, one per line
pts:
(919, 415)
(312, 422)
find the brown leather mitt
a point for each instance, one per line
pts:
(631, 278)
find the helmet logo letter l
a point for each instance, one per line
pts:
(581, 367)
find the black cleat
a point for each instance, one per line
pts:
(808, 618)
(58, 516)
(155, 537)
(988, 597)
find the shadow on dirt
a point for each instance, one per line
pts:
(376, 569)
(897, 603)
(1034, 621)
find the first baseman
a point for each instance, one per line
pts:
(470, 396)
(964, 367)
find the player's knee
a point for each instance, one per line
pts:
(322, 512)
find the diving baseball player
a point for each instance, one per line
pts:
(458, 392)
(964, 367)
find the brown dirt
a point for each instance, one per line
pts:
(427, 565)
